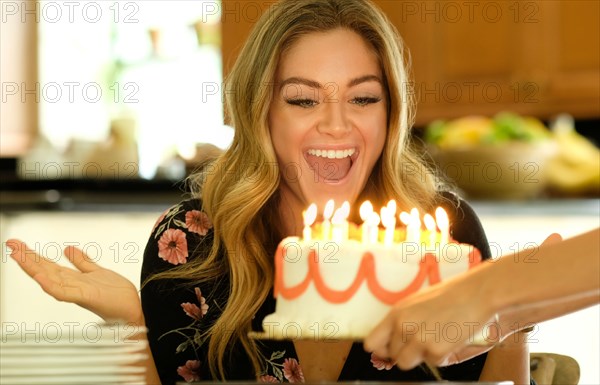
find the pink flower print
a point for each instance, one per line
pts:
(197, 222)
(292, 370)
(189, 371)
(267, 378)
(381, 363)
(172, 246)
(201, 301)
(192, 310)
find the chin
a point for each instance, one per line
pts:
(339, 194)
(347, 189)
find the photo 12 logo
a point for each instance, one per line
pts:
(69, 11)
(474, 91)
(70, 92)
(32, 170)
(126, 252)
(469, 11)
(317, 331)
(68, 332)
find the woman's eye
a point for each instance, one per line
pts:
(363, 101)
(304, 103)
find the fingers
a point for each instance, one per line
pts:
(30, 261)
(395, 342)
(409, 344)
(80, 260)
(552, 239)
(408, 356)
(377, 341)
(45, 273)
(33, 263)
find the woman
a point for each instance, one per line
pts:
(321, 111)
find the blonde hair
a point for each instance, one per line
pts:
(239, 189)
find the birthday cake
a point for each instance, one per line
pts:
(341, 287)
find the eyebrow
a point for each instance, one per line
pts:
(315, 84)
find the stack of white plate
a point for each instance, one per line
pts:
(72, 354)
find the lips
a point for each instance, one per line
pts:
(330, 165)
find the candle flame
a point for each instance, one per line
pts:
(442, 219)
(328, 212)
(365, 210)
(392, 207)
(346, 208)
(405, 218)
(310, 215)
(414, 213)
(429, 222)
(373, 219)
(387, 217)
(340, 215)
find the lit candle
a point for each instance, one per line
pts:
(345, 214)
(406, 219)
(444, 224)
(373, 227)
(416, 225)
(430, 226)
(388, 219)
(413, 225)
(365, 212)
(309, 217)
(327, 213)
(339, 223)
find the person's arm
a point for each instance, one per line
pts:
(151, 373)
(559, 278)
(101, 291)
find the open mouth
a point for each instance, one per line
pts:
(330, 165)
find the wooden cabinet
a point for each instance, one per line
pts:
(237, 19)
(481, 57)
(572, 56)
(538, 57)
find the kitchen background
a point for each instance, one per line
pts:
(106, 106)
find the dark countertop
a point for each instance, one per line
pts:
(156, 195)
(89, 194)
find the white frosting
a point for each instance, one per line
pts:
(311, 316)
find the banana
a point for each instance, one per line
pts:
(576, 167)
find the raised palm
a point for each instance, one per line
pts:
(102, 291)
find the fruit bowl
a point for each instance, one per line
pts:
(504, 157)
(511, 170)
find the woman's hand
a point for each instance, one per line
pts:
(102, 291)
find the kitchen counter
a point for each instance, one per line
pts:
(148, 195)
(112, 222)
(546, 206)
(89, 195)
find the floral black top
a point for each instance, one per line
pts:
(176, 313)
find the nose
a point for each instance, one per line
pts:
(334, 121)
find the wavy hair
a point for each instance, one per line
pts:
(239, 189)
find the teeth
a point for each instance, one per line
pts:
(332, 154)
